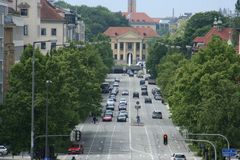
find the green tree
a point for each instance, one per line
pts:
(237, 6)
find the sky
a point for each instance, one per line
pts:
(160, 8)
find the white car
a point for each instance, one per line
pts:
(178, 156)
(115, 84)
(3, 150)
(123, 101)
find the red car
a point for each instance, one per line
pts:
(75, 149)
(107, 118)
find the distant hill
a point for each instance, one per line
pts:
(97, 19)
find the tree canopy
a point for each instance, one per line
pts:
(97, 19)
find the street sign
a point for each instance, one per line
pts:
(229, 152)
(137, 107)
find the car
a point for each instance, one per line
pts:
(115, 84)
(112, 97)
(107, 118)
(76, 149)
(130, 73)
(125, 93)
(124, 112)
(142, 82)
(178, 156)
(108, 112)
(3, 150)
(151, 81)
(144, 93)
(157, 115)
(148, 100)
(156, 91)
(121, 118)
(144, 87)
(123, 101)
(157, 97)
(135, 95)
(122, 106)
(117, 80)
(110, 107)
(140, 74)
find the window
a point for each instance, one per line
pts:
(43, 31)
(53, 45)
(143, 46)
(115, 56)
(121, 46)
(43, 45)
(25, 30)
(24, 12)
(137, 46)
(143, 57)
(121, 57)
(54, 31)
(129, 45)
(115, 46)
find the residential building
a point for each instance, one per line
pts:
(217, 30)
(129, 44)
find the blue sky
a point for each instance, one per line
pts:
(161, 8)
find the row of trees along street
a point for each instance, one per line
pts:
(76, 75)
(202, 90)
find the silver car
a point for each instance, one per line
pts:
(3, 150)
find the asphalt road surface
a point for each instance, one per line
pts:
(127, 141)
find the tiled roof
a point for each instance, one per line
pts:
(49, 13)
(143, 32)
(224, 33)
(156, 20)
(138, 17)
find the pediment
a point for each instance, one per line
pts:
(24, 5)
(130, 35)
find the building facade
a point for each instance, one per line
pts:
(129, 44)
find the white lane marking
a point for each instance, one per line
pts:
(110, 146)
(150, 147)
(92, 142)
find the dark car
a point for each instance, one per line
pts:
(144, 93)
(142, 82)
(143, 87)
(135, 95)
(148, 100)
(110, 107)
(75, 149)
(131, 74)
(121, 118)
(157, 115)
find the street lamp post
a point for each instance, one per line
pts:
(33, 96)
(46, 131)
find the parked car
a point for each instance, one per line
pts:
(157, 97)
(135, 95)
(144, 93)
(121, 118)
(76, 149)
(124, 112)
(148, 100)
(117, 80)
(125, 93)
(107, 118)
(3, 150)
(157, 115)
(115, 84)
(178, 156)
(152, 81)
(142, 82)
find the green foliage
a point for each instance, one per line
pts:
(155, 53)
(199, 24)
(76, 75)
(97, 19)
(205, 94)
(237, 6)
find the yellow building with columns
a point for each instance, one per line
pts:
(129, 44)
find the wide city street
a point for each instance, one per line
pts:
(126, 140)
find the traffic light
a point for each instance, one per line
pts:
(165, 139)
(77, 135)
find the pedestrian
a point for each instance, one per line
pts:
(73, 158)
(94, 119)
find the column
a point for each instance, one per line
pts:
(134, 53)
(113, 49)
(118, 51)
(124, 51)
(141, 47)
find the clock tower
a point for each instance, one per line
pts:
(131, 6)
